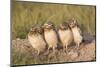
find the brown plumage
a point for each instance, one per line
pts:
(36, 39)
(50, 35)
(65, 35)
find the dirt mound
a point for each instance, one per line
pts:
(22, 47)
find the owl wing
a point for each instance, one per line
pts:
(80, 31)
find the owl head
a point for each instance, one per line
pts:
(72, 23)
(35, 30)
(64, 26)
(48, 26)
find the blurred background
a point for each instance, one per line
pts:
(26, 14)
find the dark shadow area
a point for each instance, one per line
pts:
(88, 38)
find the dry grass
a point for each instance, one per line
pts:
(26, 14)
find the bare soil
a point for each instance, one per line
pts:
(86, 52)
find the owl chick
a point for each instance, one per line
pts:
(65, 35)
(76, 31)
(36, 39)
(50, 35)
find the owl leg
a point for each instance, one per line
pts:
(66, 48)
(77, 45)
(53, 50)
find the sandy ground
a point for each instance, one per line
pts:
(86, 51)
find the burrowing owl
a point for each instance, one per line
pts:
(76, 31)
(50, 35)
(36, 39)
(65, 35)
